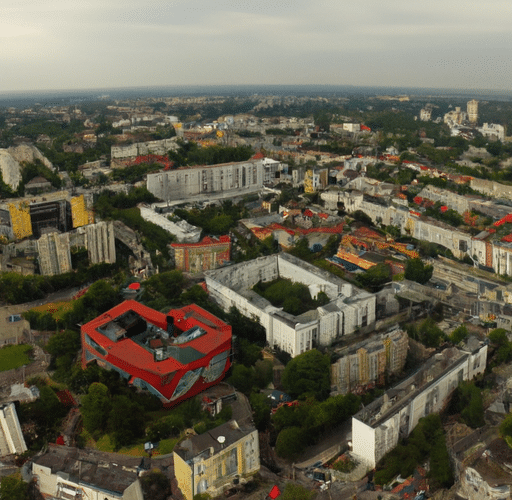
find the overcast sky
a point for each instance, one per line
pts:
(74, 44)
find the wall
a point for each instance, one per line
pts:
(184, 476)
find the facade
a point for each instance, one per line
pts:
(12, 441)
(349, 309)
(209, 253)
(425, 114)
(493, 130)
(367, 363)
(160, 147)
(230, 179)
(54, 254)
(455, 117)
(64, 473)
(174, 356)
(473, 111)
(217, 459)
(377, 428)
(184, 232)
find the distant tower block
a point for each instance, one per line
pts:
(473, 111)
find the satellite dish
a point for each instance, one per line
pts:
(221, 439)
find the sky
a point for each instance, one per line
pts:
(82, 44)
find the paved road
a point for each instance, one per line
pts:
(328, 447)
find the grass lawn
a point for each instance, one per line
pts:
(14, 356)
(56, 309)
(137, 450)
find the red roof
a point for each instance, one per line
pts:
(106, 340)
(505, 220)
(66, 398)
(206, 241)
(308, 213)
(507, 239)
(134, 286)
(258, 156)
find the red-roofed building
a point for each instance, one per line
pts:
(191, 352)
(209, 253)
(505, 220)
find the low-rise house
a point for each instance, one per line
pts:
(217, 459)
(70, 473)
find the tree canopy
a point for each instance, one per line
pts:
(308, 375)
(417, 270)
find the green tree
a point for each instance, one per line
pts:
(459, 334)
(96, 408)
(13, 488)
(242, 378)
(308, 375)
(126, 421)
(430, 334)
(375, 277)
(416, 270)
(293, 491)
(260, 410)
(290, 442)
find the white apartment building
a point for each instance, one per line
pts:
(349, 309)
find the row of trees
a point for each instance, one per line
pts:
(427, 441)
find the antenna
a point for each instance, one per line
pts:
(221, 440)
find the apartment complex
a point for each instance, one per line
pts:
(365, 364)
(225, 179)
(348, 310)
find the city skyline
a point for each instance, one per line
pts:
(58, 45)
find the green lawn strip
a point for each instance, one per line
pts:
(14, 356)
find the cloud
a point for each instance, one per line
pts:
(127, 42)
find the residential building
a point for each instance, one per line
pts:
(365, 364)
(378, 427)
(174, 356)
(493, 130)
(226, 179)
(63, 473)
(184, 232)
(473, 111)
(216, 460)
(349, 308)
(426, 114)
(209, 253)
(54, 254)
(455, 117)
(12, 441)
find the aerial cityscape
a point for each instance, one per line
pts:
(255, 251)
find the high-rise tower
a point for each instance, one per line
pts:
(473, 111)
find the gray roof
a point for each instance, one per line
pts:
(196, 445)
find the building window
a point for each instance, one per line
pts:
(232, 462)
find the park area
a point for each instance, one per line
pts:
(14, 356)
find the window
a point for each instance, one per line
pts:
(232, 462)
